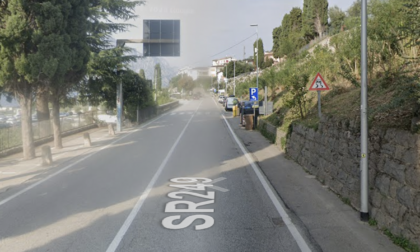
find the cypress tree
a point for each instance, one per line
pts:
(260, 53)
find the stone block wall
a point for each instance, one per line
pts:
(332, 154)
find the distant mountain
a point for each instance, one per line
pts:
(148, 64)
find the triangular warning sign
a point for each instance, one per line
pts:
(319, 84)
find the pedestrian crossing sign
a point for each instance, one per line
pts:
(319, 84)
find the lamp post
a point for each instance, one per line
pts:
(234, 75)
(256, 50)
(226, 80)
(364, 187)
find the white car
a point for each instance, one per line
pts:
(221, 98)
(230, 102)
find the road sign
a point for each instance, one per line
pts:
(319, 84)
(253, 94)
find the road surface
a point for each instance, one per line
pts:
(183, 182)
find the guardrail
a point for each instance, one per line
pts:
(11, 135)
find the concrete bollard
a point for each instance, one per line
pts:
(86, 139)
(111, 130)
(46, 155)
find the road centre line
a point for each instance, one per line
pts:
(75, 163)
(127, 223)
(278, 203)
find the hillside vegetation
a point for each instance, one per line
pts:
(393, 64)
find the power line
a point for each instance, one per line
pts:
(226, 49)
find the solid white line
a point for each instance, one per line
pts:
(278, 204)
(127, 223)
(73, 164)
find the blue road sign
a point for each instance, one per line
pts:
(253, 94)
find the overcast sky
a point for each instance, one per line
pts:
(209, 28)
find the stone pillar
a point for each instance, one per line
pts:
(86, 139)
(111, 130)
(46, 155)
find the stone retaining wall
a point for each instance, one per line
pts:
(332, 154)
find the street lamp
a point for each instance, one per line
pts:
(256, 50)
(364, 169)
(234, 75)
(226, 79)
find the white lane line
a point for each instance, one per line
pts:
(73, 164)
(278, 203)
(127, 223)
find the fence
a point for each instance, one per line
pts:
(11, 135)
(150, 112)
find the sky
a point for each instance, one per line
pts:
(217, 28)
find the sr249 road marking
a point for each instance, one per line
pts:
(171, 207)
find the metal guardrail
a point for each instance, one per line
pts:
(11, 135)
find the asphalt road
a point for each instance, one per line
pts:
(180, 183)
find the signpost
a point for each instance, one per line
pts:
(319, 85)
(253, 96)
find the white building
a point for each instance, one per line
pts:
(222, 62)
(197, 72)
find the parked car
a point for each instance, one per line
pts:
(221, 98)
(247, 108)
(230, 102)
(3, 119)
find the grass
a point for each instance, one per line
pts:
(373, 222)
(401, 241)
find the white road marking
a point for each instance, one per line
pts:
(181, 113)
(173, 114)
(278, 203)
(127, 223)
(213, 187)
(73, 164)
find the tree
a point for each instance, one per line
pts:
(276, 42)
(73, 61)
(320, 16)
(315, 18)
(142, 74)
(158, 77)
(295, 79)
(271, 77)
(337, 17)
(183, 82)
(290, 34)
(33, 52)
(105, 70)
(91, 34)
(260, 51)
(409, 30)
(353, 15)
(240, 68)
(308, 25)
